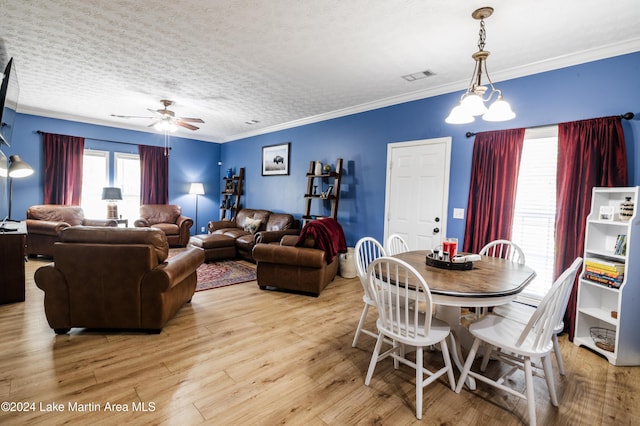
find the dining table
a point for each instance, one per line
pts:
(491, 281)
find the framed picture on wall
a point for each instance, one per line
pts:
(275, 159)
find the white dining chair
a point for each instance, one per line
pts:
(517, 343)
(517, 310)
(395, 245)
(397, 289)
(504, 249)
(367, 250)
(522, 312)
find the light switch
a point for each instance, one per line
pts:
(458, 213)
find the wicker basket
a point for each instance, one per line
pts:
(603, 338)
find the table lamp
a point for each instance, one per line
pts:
(112, 194)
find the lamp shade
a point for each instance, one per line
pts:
(111, 193)
(500, 110)
(196, 188)
(18, 168)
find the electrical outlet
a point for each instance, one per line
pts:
(202, 229)
(458, 213)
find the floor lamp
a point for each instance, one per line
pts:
(197, 188)
(17, 169)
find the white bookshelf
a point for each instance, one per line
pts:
(603, 306)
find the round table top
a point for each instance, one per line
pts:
(490, 277)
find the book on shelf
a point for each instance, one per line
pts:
(621, 245)
(604, 279)
(604, 264)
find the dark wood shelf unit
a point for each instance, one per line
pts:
(324, 180)
(231, 194)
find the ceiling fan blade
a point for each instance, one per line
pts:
(154, 123)
(128, 116)
(191, 120)
(155, 111)
(186, 125)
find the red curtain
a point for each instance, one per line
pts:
(154, 175)
(492, 192)
(590, 153)
(62, 158)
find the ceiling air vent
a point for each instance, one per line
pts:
(418, 75)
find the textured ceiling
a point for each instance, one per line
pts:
(283, 62)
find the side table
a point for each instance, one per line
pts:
(12, 258)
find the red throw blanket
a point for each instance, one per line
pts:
(328, 235)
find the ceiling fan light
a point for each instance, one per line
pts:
(165, 126)
(473, 104)
(500, 110)
(459, 116)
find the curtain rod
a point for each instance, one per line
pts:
(101, 140)
(625, 116)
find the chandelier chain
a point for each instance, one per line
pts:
(482, 36)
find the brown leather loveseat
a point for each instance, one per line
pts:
(169, 219)
(44, 223)
(251, 227)
(116, 278)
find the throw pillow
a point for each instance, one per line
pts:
(252, 225)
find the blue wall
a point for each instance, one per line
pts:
(597, 89)
(189, 161)
(601, 88)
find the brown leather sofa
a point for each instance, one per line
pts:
(251, 227)
(44, 223)
(169, 219)
(116, 278)
(306, 263)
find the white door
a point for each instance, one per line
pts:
(417, 191)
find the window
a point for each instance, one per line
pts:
(95, 176)
(535, 210)
(127, 177)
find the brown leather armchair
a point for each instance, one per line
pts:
(301, 269)
(270, 228)
(169, 219)
(44, 223)
(116, 278)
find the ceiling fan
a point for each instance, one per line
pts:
(166, 119)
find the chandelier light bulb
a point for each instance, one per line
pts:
(459, 116)
(473, 104)
(500, 110)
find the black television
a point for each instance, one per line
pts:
(8, 102)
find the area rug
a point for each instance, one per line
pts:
(223, 273)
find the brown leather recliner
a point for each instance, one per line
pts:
(270, 228)
(116, 278)
(169, 219)
(44, 223)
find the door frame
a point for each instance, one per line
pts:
(447, 140)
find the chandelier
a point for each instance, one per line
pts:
(472, 102)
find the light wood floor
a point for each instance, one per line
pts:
(238, 355)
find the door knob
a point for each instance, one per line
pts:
(436, 230)
(437, 219)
